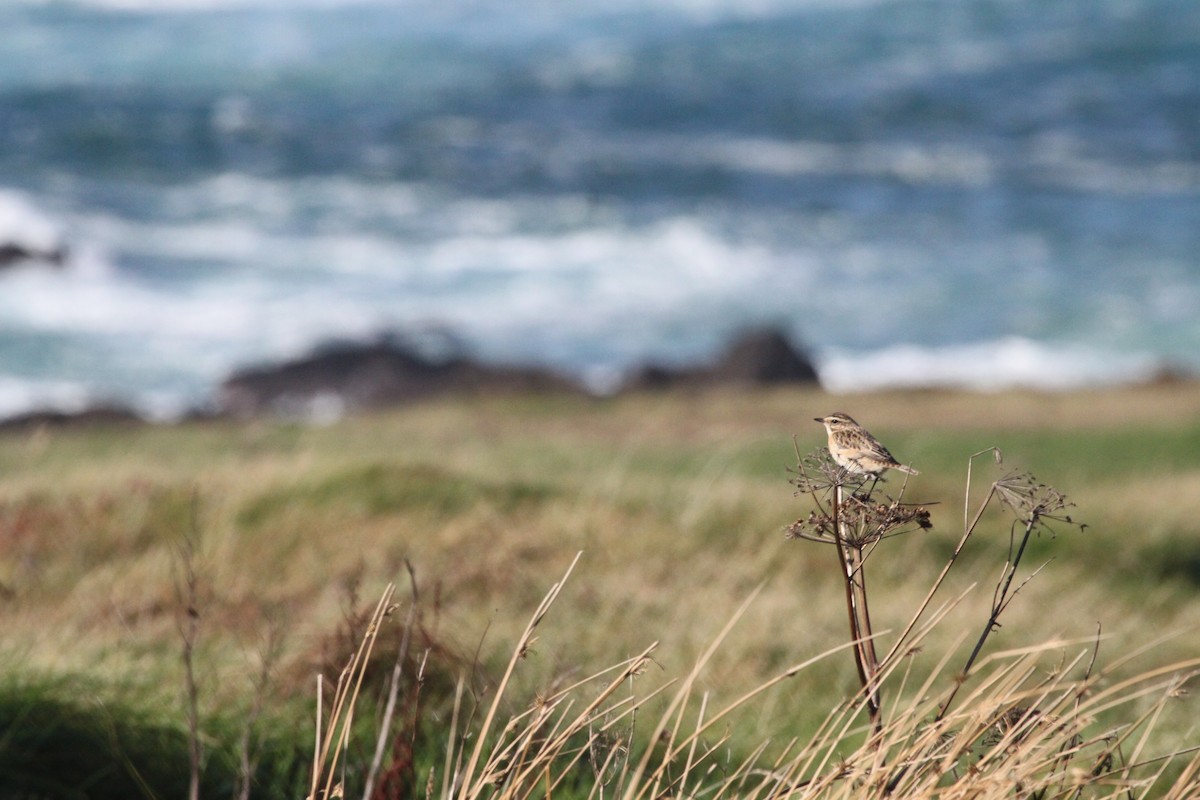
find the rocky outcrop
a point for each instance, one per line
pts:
(48, 418)
(763, 357)
(345, 378)
(755, 358)
(13, 254)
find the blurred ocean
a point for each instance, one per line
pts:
(977, 193)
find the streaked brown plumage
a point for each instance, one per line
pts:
(857, 451)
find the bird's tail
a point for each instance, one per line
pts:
(906, 468)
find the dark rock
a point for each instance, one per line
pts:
(101, 415)
(762, 356)
(755, 358)
(344, 378)
(1171, 375)
(14, 253)
(655, 376)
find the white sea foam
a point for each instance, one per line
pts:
(907, 162)
(195, 5)
(704, 9)
(591, 294)
(1056, 161)
(575, 298)
(226, 276)
(1011, 362)
(23, 223)
(20, 394)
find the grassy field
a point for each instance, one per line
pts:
(678, 503)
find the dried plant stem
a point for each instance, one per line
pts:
(385, 724)
(1000, 601)
(187, 600)
(638, 787)
(557, 740)
(865, 658)
(871, 657)
(1188, 779)
(316, 765)
(465, 784)
(341, 716)
(968, 530)
(453, 756)
(677, 748)
(271, 651)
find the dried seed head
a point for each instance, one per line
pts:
(817, 473)
(527, 647)
(862, 522)
(1032, 501)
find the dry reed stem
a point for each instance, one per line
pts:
(968, 530)
(1016, 729)
(529, 755)
(452, 756)
(1188, 780)
(393, 685)
(520, 649)
(188, 607)
(581, 721)
(270, 652)
(345, 698)
(681, 696)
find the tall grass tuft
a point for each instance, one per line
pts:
(1044, 720)
(1019, 729)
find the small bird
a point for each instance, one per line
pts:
(855, 450)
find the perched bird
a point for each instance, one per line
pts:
(857, 451)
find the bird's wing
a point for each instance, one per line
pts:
(878, 451)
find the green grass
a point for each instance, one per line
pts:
(679, 504)
(68, 736)
(380, 489)
(1081, 457)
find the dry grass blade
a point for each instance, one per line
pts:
(679, 701)
(393, 685)
(337, 731)
(589, 714)
(1022, 721)
(465, 786)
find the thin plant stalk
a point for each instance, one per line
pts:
(385, 724)
(337, 732)
(187, 598)
(518, 652)
(968, 529)
(1000, 601)
(850, 559)
(269, 654)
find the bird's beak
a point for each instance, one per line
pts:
(818, 419)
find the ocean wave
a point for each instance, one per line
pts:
(1057, 161)
(1008, 363)
(225, 275)
(183, 6)
(703, 9)
(20, 394)
(562, 185)
(23, 223)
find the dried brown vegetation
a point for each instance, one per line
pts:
(678, 504)
(1018, 728)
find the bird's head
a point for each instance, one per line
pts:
(836, 421)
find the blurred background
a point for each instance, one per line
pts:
(978, 193)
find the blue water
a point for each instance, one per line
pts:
(948, 192)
